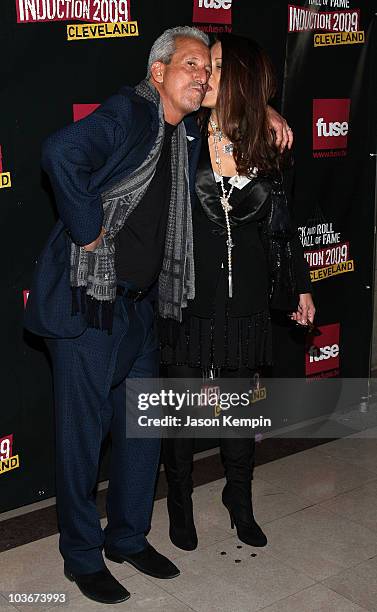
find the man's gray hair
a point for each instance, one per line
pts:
(163, 48)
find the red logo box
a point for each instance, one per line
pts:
(83, 110)
(322, 354)
(212, 11)
(330, 123)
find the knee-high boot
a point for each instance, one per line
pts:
(238, 458)
(178, 462)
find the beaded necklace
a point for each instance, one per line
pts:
(226, 206)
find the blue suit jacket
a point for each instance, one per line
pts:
(82, 160)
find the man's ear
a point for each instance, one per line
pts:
(157, 72)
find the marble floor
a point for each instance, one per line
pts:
(318, 509)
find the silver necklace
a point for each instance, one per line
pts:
(225, 205)
(227, 148)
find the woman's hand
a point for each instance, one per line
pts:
(283, 133)
(305, 310)
(93, 245)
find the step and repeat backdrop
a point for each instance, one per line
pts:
(63, 58)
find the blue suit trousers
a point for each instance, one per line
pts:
(90, 374)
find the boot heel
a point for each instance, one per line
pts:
(231, 521)
(230, 516)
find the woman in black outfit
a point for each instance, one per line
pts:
(227, 327)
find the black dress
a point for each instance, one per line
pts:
(218, 331)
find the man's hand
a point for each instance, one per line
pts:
(283, 133)
(305, 310)
(93, 245)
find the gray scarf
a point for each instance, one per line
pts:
(93, 273)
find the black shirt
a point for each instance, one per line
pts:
(249, 265)
(139, 245)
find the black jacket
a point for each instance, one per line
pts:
(267, 273)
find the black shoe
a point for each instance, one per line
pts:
(148, 561)
(182, 530)
(241, 515)
(100, 586)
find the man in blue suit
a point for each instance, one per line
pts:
(93, 292)
(122, 179)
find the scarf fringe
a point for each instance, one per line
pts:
(99, 315)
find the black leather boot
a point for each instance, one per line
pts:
(178, 457)
(238, 458)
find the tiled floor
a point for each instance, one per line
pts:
(318, 508)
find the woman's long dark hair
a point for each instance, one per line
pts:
(247, 84)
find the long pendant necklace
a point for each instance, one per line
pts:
(224, 203)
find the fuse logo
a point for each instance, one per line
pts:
(212, 11)
(322, 353)
(330, 126)
(331, 129)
